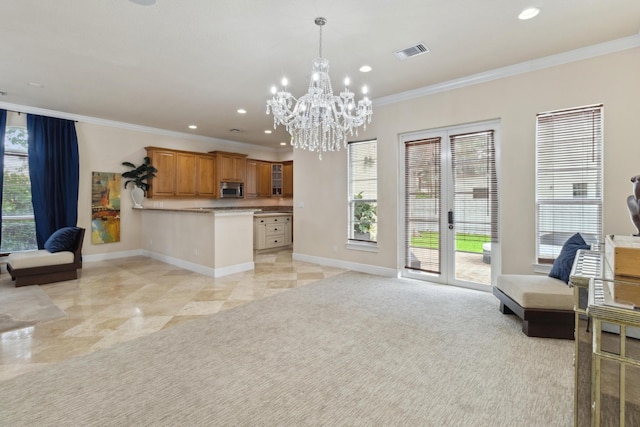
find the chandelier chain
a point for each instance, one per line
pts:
(320, 48)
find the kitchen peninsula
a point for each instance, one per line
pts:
(210, 241)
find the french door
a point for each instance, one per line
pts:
(450, 205)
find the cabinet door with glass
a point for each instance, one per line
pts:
(287, 179)
(276, 180)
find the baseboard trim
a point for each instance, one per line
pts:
(113, 255)
(362, 268)
(232, 269)
(197, 268)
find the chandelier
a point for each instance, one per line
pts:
(319, 120)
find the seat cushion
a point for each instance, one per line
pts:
(536, 291)
(39, 258)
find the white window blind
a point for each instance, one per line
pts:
(475, 187)
(422, 205)
(363, 191)
(568, 178)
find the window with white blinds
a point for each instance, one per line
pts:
(18, 223)
(363, 191)
(568, 178)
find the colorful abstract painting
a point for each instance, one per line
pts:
(105, 207)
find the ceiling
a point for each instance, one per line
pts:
(178, 63)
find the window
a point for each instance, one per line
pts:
(568, 178)
(18, 224)
(363, 191)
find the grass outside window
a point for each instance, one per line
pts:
(464, 242)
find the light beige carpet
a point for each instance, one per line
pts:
(351, 350)
(24, 306)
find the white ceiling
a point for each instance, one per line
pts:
(178, 63)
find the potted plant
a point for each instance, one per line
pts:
(140, 177)
(364, 216)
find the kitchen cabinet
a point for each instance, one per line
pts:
(205, 182)
(258, 179)
(164, 183)
(276, 180)
(230, 167)
(287, 179)
(264, 179)
(272, 231)
(186, 174)
(181, 174)
(251, 181)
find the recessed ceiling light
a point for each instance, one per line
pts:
(529, 13)
(242, 111)
(144, 2)
(267, 131)
(193, 127)
(283, 143)
(365, 68)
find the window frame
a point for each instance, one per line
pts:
(23, 156)
(353, 242)
(567, 127)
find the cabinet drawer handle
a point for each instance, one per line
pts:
(275, 229)
(275, 220)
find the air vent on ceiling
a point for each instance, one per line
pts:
(415, 50)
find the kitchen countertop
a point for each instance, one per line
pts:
(279, 213)
(219, 211)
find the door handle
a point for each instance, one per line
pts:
(451, 222)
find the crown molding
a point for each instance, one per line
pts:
(516, 69)
(128, 126)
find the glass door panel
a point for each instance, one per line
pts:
(474, 205)
(422, 205)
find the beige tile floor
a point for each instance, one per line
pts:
(123, 299)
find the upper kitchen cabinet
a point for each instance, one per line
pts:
(181, 174)
(264, 179)
(186, 175)
(206, 179)
(230, 167)
(251, 179)
(276, 180)
(287, 179)
(282, 179)
(164, 183)
(258, 179)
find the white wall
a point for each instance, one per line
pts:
(321, 225)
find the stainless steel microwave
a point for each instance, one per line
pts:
(231, 190)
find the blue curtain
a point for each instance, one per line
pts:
(54, 169)
(3, 125)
